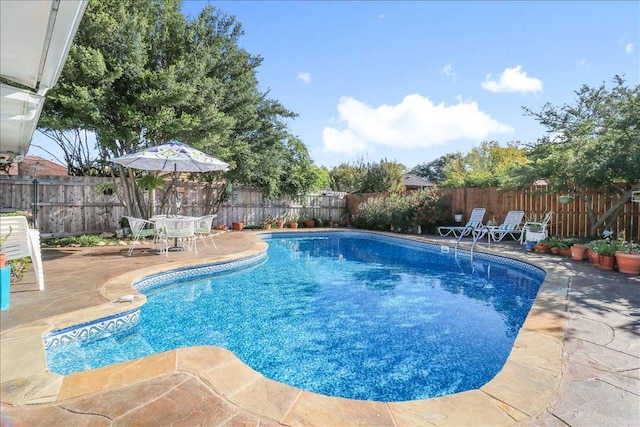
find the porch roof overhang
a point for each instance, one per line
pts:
(35, 39)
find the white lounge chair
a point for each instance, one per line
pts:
(542, 225)
(140, 228)
(510, 226)
(203, 228)
(474, 223)
(22, 241)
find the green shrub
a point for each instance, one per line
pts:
(86, 240)
(400, 212)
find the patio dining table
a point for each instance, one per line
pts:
(176, 227)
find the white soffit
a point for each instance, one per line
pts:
(35, 38)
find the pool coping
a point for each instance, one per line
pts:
(523, 389)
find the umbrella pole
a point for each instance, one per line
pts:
(174, 208)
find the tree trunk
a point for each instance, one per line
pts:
(608, 218)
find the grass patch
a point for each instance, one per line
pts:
(86, 240)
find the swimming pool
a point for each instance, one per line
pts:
(345, 314)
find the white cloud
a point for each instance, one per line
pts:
(447, 70)
(512, 80)
(629, 47)
(414, 123)
(584, 64)
(305, 77)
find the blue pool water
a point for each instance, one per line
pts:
(343, 314)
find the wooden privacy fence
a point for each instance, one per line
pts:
(68, 205)
(569, 219)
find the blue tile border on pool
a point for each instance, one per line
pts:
(122, 322)
(160, 279)
(96, 329)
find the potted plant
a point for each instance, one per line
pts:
(592, 252)
(578, 251)
(607, 254)
(267, 222)
(105, 188)
(124, 224)
(628, 257)
(541, 246)
(237, 226)
(293, 222)
(565, 199)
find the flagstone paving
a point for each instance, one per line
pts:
(576, 361)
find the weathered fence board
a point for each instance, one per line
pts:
(65, 205)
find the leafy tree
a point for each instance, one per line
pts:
(484, 166)
(434, 171)
(383, 176)
(140, 74)
(347, 177)
(593, 143)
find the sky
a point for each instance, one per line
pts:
(413, 81)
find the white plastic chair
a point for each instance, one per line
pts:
(543, 224)
(202, 228)
(139, 230)
(22, 241)
(474, 223)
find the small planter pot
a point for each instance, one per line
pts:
(555, 250)
(565, 251)
(607, 262)
(541, 247)
(267, 226)
(593, 257)
(310, 223)
(628, 263)
(280, 224)
(578, 252)
(237, 225)
(293, 224)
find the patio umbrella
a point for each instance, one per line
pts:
(172, 157)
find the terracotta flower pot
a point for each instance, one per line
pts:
(267, 226)
(541, 247)
(565, 251)
(593, 257)
(280, 224)
(578, 252)
(607, 262)
(310, 223)
(293, 224)
(237, 225)
(628, 263)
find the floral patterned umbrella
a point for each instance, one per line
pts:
(172, 157)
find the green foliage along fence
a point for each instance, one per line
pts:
(569, 220)
(68, 205)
